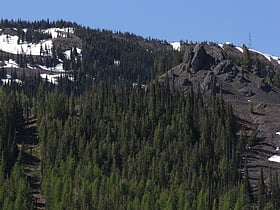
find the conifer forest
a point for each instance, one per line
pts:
(115, 137)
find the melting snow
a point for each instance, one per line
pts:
(57, 68)
(30, 67)
(274, 158)
(58, 32)
(176, 45)
(9, 80)
(54, 77)
(221, 46)
(51, 78)
(9, 64)
(67, 53)
(240, 49)
(10, 44)
(267, 56)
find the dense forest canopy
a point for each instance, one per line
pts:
(105, 144)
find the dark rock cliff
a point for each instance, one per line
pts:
(240, 75)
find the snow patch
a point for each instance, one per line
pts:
(50, 78)
(11, 45)
(176, 45)
(30, 67)
(53, 78)
(221, 46)
(268, 57)
(9, 64)
(57, 68)
(9, 80)
(240, 49)
(58, 32)
(274, 158)
(67, 53)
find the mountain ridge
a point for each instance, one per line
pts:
(199, 124)
(239, 73)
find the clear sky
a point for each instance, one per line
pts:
(174, 20)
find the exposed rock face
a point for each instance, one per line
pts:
(188, 56)
(245, 92)
(209, 67)
(209, 81)
(212, 67)
(201, 60)
(224, 66)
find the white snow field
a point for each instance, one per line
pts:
(10, 44)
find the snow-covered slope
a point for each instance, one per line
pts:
(13, 44)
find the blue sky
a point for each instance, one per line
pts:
(196, 20)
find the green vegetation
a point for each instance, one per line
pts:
(108, 145)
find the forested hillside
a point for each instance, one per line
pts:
(124, 148)
(113, 137)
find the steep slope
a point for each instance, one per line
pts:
(245, 78)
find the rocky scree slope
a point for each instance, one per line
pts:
(243, 76)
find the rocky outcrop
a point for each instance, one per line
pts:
(209, 68)
(209, 81)
(224, 66)
(188, 56)
(201, 60)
